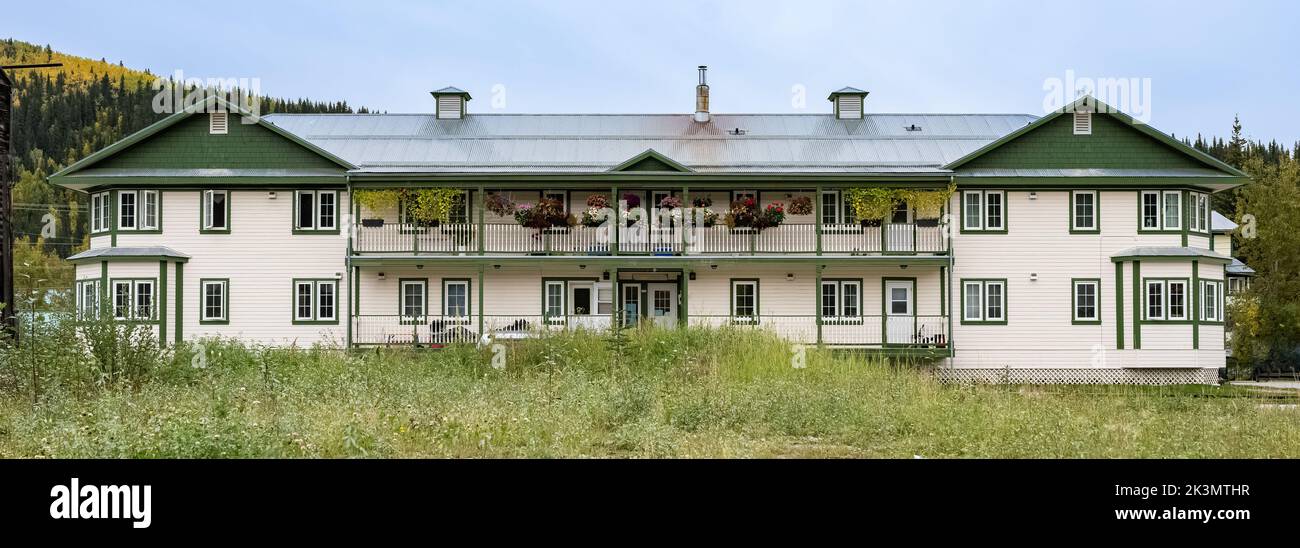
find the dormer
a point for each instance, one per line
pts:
(848, 103)
(450, 103)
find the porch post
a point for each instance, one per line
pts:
(686, 223)
(618, 220)
(482, 221)
(684, 315)
(480, 300)
(617, 320)
(817, 218)
(817, 300)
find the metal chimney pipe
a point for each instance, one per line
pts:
(702, 97)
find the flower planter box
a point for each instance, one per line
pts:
(372, 223)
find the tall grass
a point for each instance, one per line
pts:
(644, 393)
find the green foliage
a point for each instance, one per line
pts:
(871, 204)
(928, 203)
(1267, 316)
(728, 392)
(423, 205)
(374, 201)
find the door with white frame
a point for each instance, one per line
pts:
(663, 303)
(900, 311)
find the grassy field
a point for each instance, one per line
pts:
(687, 393)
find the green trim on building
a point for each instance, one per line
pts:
(162, 303)
(225, 305)
(1096, 212)
(180, 302)
(402, 317)
(1119, 306)
(1074, 301)
(984, 212)
(1196, 305)
(731, 301)
(884, 308)
(315, 301)
(1006, 301)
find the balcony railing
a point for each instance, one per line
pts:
(864, 331)
(497, 239)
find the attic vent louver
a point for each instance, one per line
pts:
(848, 103)
(450, 103)
(218, 123)
(1082, 123)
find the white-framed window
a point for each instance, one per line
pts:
(553, 305)
(984, 301)
(836, 209)
(100, 212)
(1173, 209)
(1083, 210)
(984, 210)
(1212, 300)
(841, 300)
(1150, 209)
(1087, 306)
(133, 300)
(585, 298)
(563, 197)
(126, 210)
(1237, 284)
(737, 195)
(138, 210)
(455, 298)
(315, 210)
(216, 210)
(414, 298)
(744, 301)
(1198, 219)
(215, 298)
(315, 300)
(88, 298)
(605, 298)
(1167, 299)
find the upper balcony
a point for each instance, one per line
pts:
(700, 227)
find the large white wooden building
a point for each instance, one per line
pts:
(1077, 246)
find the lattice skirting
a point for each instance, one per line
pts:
(1078, 376)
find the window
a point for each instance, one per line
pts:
(737, 195)
(1211, 300)
(1086, 299)
(215, 212)
(1083, 211)
(315, 211)
(413, 298)
(1238, 284)
(1173, 208)
(126, 210)
(100, 212)
(554, 301)
(1150, 210)
(744, 301)
(901, 213)
(455, 298)
(1198, 219)
(315, 301)
(836, 210)
(984, 210)
(88, 299)
(1166, 300)
(984, 301)
(841, 300)
(561, 196)
(581, 296)
(133, 300)
(138, 210)
(216, 301)
(604, 298)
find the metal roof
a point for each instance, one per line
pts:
(1220, 223)
(1238, 268)
(597, 142)
(1171, 252)
(121, 253)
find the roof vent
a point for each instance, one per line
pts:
(737, 131)
(1082, 122)
(450, 103)
(702, 96)
(218, 122)
(913, 127)
(848, 103)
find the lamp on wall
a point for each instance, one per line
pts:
(270, 195)
(419, 267)
(1033, 276)
(713, 267)
(1033, 195)
(381, 276)
(789, 276)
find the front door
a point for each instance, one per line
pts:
(900, 312)
(631, 304)
(663, 304)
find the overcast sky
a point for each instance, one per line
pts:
(1205, 62)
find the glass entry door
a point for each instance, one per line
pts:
(631, 304)
(663, 304)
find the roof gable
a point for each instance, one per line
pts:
(1117, 141)
(170, 145)
(651, 160)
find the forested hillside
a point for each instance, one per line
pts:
(63, 114)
